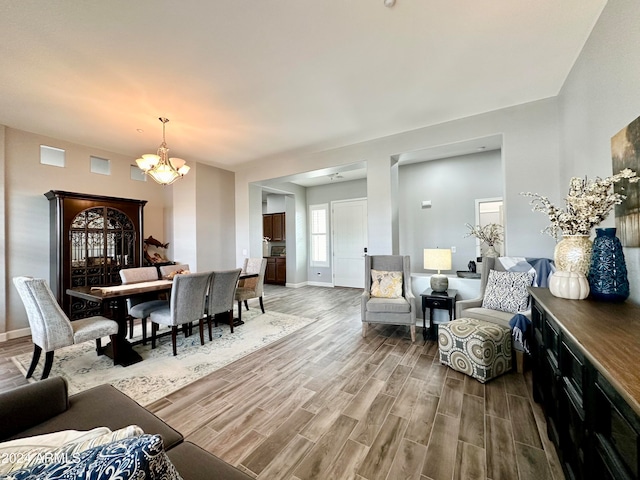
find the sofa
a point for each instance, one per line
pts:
(45, 407)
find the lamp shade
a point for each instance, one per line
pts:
(437, 259)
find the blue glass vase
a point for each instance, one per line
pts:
(608, 272)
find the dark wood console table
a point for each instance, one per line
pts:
(587, 378)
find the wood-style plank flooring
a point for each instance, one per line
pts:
(325, 403)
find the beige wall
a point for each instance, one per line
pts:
(184, 220)
(3, 232)
(195, 215)
(26, 244)
(216, 215)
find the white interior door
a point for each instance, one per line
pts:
(349, 230)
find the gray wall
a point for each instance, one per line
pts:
(599, 98)
(326, 194)
(337, 191)
(530, 163)
(293, 202)
(276, 203)
(452, 185)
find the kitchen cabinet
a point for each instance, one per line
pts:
(274, 227)
(267, 226)
(586, 377)
(276, 272)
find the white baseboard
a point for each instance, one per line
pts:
(22, 332)
(313, 284)
(320, 284)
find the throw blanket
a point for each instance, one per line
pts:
(542, 268)
(520, 328)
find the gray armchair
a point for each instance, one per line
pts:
(391, 311)
(473, 308)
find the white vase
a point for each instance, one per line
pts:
(571, 285)
(265, 249)
(573, 254)
(491, 252)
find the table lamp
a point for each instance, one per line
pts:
(438, 259)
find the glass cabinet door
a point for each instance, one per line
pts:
(102, 242)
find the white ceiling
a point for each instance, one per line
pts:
(246, 79)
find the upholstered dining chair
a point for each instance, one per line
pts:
(221, 296)
(51, 329)
(253, 287)
(187, 305)
(387, 297)
(168, 270)
(141, 306)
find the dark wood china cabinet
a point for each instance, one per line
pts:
(92, 238)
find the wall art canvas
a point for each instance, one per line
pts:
(625, 153)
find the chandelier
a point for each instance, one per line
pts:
(160, 167)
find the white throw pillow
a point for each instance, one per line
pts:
(52, 440)
(507, 291)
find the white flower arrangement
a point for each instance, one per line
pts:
(587, 204)
(491, 234)
(266, 239)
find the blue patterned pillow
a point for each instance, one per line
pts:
(129, 458)
(507, 291)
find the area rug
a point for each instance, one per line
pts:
(160, 373)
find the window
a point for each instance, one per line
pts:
(137, 174)
(51, 156)
(99, 165)
(319, 215)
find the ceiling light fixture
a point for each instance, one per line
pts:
(160, 167)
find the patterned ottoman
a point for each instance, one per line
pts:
(480, 349)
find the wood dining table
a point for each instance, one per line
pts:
(126, 355)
